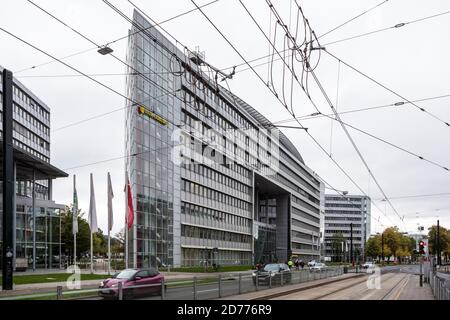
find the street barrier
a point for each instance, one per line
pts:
(201, 287)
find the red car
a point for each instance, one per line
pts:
(135, 282)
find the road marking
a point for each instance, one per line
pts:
(206, 290)
(403, 287)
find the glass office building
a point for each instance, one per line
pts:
(342, 214)
(37, 219)
(213, 181)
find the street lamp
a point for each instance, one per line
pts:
(344, 192)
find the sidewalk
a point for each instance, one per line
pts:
(274, 292)
(413, 291)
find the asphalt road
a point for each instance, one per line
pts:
(229, 286)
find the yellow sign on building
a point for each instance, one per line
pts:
(150, 114)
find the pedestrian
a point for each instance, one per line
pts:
(290, 264)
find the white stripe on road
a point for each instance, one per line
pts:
(206, 290)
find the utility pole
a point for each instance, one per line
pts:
(438, 245)
(382, 248)
(351, 244)
(8, 181)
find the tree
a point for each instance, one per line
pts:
(83, 235)
(373, 246)
(444, 237)
(118, 242)
(336, 245)
(392, 240)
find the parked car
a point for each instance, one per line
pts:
(368, 264)
(135, 282)
(311, 263)
(272, 271)
(319, 266)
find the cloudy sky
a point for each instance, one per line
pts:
(411, 60)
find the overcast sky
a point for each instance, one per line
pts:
(412, 60)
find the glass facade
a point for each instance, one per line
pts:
(340, 213)
(192, 174)
(31, 137)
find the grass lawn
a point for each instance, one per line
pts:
(56, 277)
(209, 269)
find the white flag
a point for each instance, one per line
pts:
(110, 208)
(92, 209)
(75, 209)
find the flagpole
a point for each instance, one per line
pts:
(110, 213)
(74, 214)
(109, 252)
(92, 266)
(126, 224)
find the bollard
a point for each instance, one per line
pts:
(239, 285)
(195, 288)
(120, 291)
(270, 279)
(163, 289)
(281, 278)
(59, 293)
(220, 286)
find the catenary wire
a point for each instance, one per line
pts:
(388, 89)
(271, 7)
(396, 26)
(118, 39)
(316, 142)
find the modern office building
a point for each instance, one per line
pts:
(37, 232)
(343, 213)
(212, 182)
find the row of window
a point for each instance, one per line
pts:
(206, 213)
(287, 158)
(209, 173)
(301, 235)
(328, 231)
(342, 225)
(25, 147)
(342, 218)
(301, 246)
(304, 225)
(343, 205)
(27, 134)
(208, 193)
(29, 101)
(210, 234)
(330, 198)
(328, 211)
(21, 112)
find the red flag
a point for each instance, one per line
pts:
(130, 210)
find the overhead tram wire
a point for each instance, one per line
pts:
(381, 140)
(396, 104)
(311, 70)
(315, 141)
(388, 89)
(396, 26)
(126, 64)
(118, 39)
(85, 75)
(418, 196)
(352, 19)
